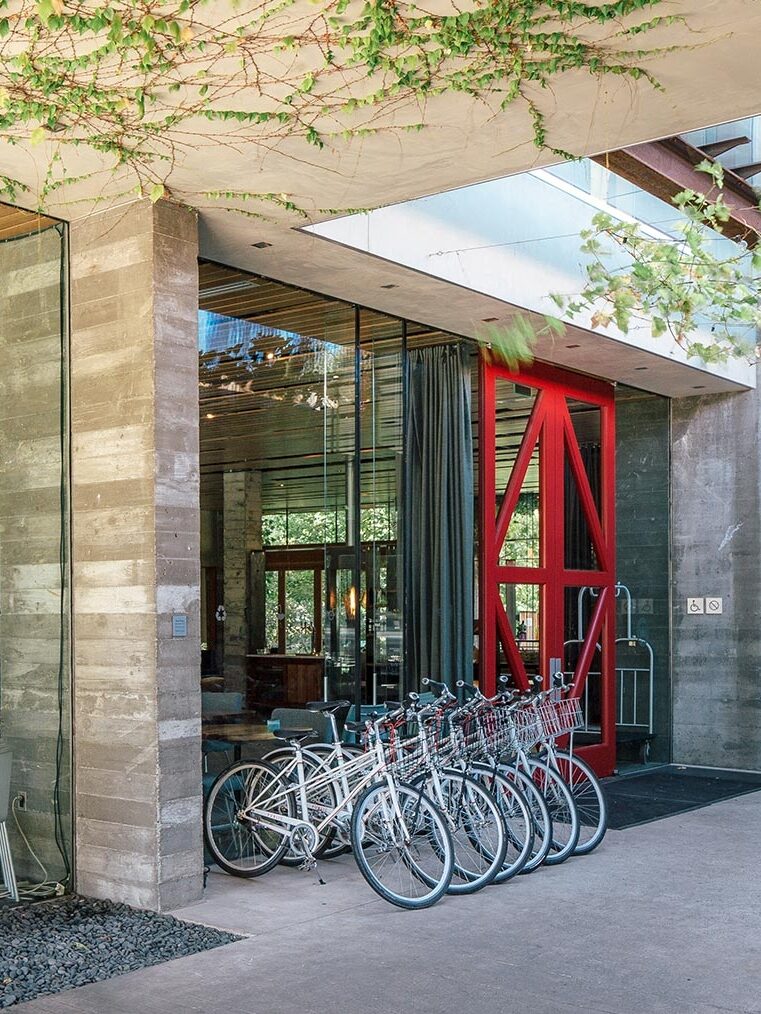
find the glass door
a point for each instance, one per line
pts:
(547, 538)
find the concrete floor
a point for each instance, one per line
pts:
(662, 919)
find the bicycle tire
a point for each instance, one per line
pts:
(479, 855)
(589, 797)
(375, 826)
(565, 818)
(221, 820)
(516, 816)
(540, 814)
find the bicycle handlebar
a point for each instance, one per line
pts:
(442, 688)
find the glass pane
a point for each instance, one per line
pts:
(299, 612)
(381, 423)
(276, 375)
(586, 421)
(579, 607)
(35, 695)
(340, 621)
(587, 427)
(579, 548)
(513, 406)
(521, 547)
(272, 615)
(523, 606)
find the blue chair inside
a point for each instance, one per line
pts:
(225, 703)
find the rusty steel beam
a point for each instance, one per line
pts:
(664, 168)
(716, 148)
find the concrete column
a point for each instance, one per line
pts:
(135, 529)
(242, 533)
(716, 496)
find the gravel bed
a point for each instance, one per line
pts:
(51, 946)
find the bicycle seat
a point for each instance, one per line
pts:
(324, 707)
(355, 726)
(291, 735)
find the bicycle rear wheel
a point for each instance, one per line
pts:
(516, 816)
(477, 828)
(565, 818)
(242, 845)
(540, 816)
(320, 802)
(409, 859)
(589, 797)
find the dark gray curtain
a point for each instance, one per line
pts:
(438, 528)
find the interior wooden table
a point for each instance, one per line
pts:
(244, 731)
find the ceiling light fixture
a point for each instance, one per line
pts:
(489, 320)
(222, 290)
(261, 245)
(270, 355)
(573, 346)
(209, 415)
(390, 285)
(640, 367)
(698, 387)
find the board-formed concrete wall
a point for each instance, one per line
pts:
(34, 654)
(643, 545)
(135, 530)
(716, 523)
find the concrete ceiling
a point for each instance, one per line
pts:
(709, 70)
(717, 80)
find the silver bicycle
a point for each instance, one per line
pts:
(256, 813)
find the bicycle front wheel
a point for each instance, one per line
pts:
(402, 845)
(589, 797)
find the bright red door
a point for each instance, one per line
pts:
(547, 556)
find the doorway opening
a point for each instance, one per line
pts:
(547, 440)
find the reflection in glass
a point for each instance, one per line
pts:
(579, 548)
(35, 692)
(514, 404)
(580, 603)
(381, 425)
(522, 604)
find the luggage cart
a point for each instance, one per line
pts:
(635, 685)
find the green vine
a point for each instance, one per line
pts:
(709, 302)
(138, 82)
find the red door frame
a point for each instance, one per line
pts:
(550, 426)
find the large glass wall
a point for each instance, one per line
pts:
(34, 671)
(315, 437)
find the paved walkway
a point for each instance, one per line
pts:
(662, 919)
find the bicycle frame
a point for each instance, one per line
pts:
(371, 766)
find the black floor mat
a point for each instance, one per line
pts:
(664, 791)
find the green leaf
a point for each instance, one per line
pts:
(156, 192)
(554, 324)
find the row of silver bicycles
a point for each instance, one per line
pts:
(442, 796)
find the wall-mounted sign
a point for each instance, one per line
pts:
(179, 625)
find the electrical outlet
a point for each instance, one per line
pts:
(21, 800)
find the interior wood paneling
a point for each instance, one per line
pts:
(16, 222)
